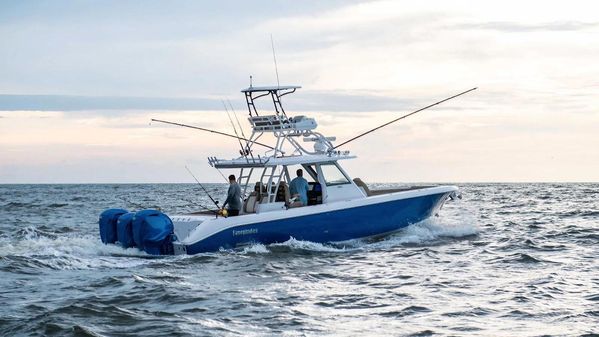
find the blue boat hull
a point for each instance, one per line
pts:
(338, 225)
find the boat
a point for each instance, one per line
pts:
(339, 207)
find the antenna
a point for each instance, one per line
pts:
(274, 56)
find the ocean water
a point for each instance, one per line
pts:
(506, 260)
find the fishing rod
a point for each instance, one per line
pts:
(239, 124)
(404, 116)
(237, 119)
(208, 130)
(243, 151)
(202, 186)
(247, 145)
(221, 174)
(204, 207)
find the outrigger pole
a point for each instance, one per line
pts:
(212, 131)
(404, 116)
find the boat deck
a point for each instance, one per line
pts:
(368, 191)
(394, 190)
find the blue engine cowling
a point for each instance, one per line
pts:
(124, 230)
(153, 231)
(107, 223)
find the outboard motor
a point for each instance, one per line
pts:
(124, 230)
(153, 231)
(107, 222)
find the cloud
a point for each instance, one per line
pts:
(301, 101)
(347, 102)
(517, 27)
(82, 103)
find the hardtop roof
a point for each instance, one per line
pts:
(271, 88)
(290, 160)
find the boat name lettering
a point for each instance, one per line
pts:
(245, 231)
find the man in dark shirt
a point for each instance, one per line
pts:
(233, 197)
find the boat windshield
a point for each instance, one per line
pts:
(332, 175)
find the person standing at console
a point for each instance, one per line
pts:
(233, 197)
(299, 187)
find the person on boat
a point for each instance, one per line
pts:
(233, 197)
(298, 187)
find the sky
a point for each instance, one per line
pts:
(80, 81)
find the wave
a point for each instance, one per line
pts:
(524, 258)
(309, 246)
(434, 230)
(57, 205)
(290, 246)
(256, 248)
(14, 205)
(580, 213)
(31, 248)
(407, 311)
(462, 222)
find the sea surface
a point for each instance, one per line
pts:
(506, 260)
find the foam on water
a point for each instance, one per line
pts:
(295, 244)
(256, 248)
(434, 229)
(68, 251)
